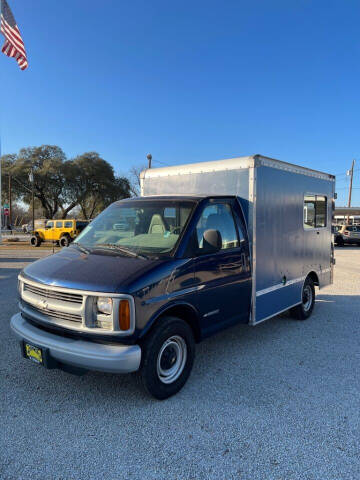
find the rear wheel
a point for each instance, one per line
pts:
(35, 241)
(168, 357)
(304, 310)
(64, 241)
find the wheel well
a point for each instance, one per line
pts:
(314, 277)
(186, 313)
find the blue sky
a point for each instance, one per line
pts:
(188, 81)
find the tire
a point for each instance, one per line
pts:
(35, 241)
(168, 354)
(305, 309)
(64, 241)
(339, 242)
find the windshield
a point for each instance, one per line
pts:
(142, 227)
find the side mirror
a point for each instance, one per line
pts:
(212, 241)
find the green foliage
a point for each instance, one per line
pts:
(92, 184)
(7, 162)
(87, 181)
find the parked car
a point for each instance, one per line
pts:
(58, 231)
(347, 234)
(179, 268)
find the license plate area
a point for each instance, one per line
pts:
(33, 353)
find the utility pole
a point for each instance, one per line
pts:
(149, 157)
(10, 202)
(351, 173)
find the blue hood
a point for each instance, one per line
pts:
(101, 270)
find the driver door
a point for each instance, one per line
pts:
(223, 277)
(49, 230)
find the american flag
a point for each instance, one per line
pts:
(14, 45)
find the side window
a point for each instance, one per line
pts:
(81, 225)
(59, 224)
(217, 217)
(321, 209)
(240, 226)
(315, 208)
(68, 224)
(49, 224)
(241, 233)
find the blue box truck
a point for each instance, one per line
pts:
(205, 246)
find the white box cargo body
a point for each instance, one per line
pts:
(281, 203)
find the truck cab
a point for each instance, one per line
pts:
(143, 267)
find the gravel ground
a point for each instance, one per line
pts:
(278, 401)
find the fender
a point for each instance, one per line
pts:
(173, 308)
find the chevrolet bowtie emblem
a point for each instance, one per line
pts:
(42, 304)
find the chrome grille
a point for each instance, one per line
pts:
(72, 309)
(54, 314)
(56, 295)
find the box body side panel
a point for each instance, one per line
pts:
(226, 182)
(285, 251)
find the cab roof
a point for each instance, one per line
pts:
(179, 197)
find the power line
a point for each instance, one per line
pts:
(342, 173)
(162, 163)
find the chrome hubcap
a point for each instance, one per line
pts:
(307, 298)
(171, 359)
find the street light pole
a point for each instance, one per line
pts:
(31, 178)
(351, 173)
(149, 157)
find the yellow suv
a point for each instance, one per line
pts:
(58, 231)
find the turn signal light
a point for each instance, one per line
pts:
(124, 315)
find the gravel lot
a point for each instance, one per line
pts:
(278, 401)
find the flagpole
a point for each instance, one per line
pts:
(1, 212)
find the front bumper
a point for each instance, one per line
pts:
(79, 353)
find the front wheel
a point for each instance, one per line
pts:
(168, 357)
(35, 241)
(304, 310)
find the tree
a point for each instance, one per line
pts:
(87, 181)
(134, 179)
(7, 162)
(46, 162)
(92, 184)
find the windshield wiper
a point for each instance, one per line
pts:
(80, 247)
(121, 249)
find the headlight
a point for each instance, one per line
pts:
(105, 305)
